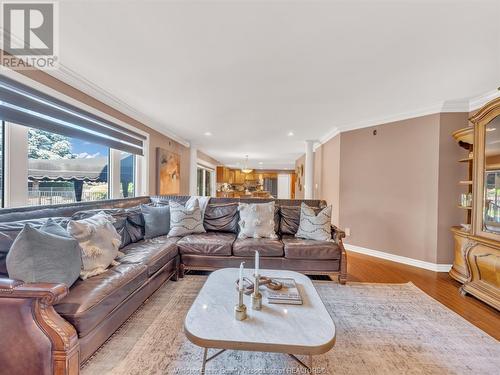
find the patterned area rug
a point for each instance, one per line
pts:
(381, 329)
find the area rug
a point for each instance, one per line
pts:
(381, 329)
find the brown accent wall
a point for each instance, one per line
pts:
(156, 139)
(397, 190)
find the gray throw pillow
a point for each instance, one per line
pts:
(38, 256)
(315, 226)
(54, 228)
(156, 220)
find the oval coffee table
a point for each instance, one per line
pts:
(305, 329)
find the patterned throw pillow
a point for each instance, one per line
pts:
(315, 227)
(99, 242)
(257, 220)
(186, 219)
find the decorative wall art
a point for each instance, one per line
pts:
(168, 165)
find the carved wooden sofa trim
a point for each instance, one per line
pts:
(42, 342)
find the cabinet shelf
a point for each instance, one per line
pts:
(465, 135)
(465, 160)
(465, 207)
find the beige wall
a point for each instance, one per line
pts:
(397, 190)
(205, 158)
(299, 194)
(389, 187)
(327, 175)
(156, 139)
(450, 172)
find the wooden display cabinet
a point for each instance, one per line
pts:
(477, 248)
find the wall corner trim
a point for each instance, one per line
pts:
(436, 267)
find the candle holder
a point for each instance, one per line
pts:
(240, 310)
(256, 296)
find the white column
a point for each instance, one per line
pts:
(309, 171)
(193, 167)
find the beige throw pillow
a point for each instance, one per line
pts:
(315, 227)
(256, 220)
(99, 242)
(186, 219)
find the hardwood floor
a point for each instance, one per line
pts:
(440, 286)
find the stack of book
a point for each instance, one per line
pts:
(288, 294)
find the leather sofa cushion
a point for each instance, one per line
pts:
(267, 247)
(298, 248)
(90, 301)
(154, 253)
(277, 219)
(10, 230)
(210, 243)
(290, 219)
(221, 218)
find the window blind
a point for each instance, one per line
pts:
(27, 106)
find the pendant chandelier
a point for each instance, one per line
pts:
(245, 168)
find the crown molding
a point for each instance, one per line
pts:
(459, 105)
(88, 87)
(478, 101)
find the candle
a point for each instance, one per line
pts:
(240, 283)
(256, 263)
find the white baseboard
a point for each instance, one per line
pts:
(399, 259)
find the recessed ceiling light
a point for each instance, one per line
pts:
(261, 163)
(208, 134)
(290, 134)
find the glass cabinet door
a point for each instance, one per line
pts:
(491, 182)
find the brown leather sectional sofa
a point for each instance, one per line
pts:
(50, 329)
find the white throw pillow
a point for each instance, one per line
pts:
(315, 227)
(186, 219)
(256, 220)
(99, 242)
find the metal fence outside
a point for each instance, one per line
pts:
(58, 196)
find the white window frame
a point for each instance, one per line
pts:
(114, 174)
(212, 184)
(15, 173)
(16, 149)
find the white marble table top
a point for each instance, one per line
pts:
(294, 329)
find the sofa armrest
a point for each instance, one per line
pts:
(35, 339)
(337, 236)
(48, 293)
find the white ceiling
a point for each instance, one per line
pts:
(251, 71)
